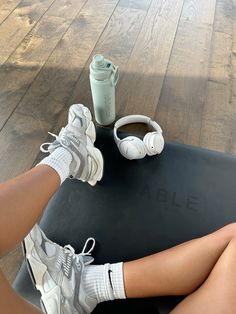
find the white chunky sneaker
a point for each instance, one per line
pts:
(78, 138)
(57, 273)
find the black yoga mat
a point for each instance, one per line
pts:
(141, 207)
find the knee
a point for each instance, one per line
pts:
(231, 229)
(228, 232)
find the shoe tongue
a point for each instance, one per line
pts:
(77, 122)
(74, 125)
(87, 259)
(50, 249)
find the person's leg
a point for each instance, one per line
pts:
(22, 201)
(176, 271)
(217, 294)
(179, 270)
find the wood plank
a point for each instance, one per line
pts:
(21, 138)
(219, 120)
(6, 7)
(116, 43)
(19, 71)
(198, 13)
(18, 24)
(223, 20)
(233, 78)
(135, 4)
(180, 107)
(66, 9)
(51, 89)
(233, 54)
(140, 86)
(219, 116)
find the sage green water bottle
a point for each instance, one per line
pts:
(103, 78)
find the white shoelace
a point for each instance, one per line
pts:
(62, 138)
(45, 150)
(71, 251)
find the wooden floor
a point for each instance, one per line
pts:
(177, 61)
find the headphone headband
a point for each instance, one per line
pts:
(135, 118)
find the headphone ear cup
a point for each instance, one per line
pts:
(132, 148)
(154, 143)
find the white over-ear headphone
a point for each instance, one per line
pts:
(133, 147)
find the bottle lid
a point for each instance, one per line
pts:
(103, 69)
(98, 61)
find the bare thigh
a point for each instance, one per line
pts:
(217, 295)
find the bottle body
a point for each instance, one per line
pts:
(103, 78)
(103, 94)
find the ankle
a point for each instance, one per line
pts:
(104, 282)
(60, 160)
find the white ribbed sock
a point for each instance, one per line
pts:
(59, 160)
(104, 282)
(117, 280)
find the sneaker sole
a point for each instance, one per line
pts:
(52, 298)
(95, 158)
(94, 152)
(39, 269)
